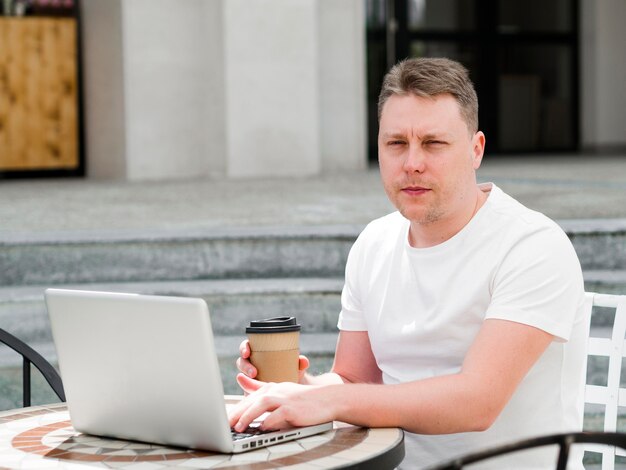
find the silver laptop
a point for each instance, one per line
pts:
(144, 368)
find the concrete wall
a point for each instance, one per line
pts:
(214, 123)
(103, 88)
(164, 81)
(272, 87)
(603, 73)
(188, 88)
(342, 72)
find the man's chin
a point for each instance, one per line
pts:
(420, 217)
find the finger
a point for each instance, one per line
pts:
(303, 363)
(248, 384)
(246, 367)
(275, 420)
(258, 406)
(235, 411)
(244, 349)
(253, 390)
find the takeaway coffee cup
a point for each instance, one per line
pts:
(274, 348)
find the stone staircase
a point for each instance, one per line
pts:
(242, 273)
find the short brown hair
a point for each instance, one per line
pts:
(429, 77)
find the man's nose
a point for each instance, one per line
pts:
(415, 161)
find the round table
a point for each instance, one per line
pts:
(42, 437)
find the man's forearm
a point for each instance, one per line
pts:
(440, 405)
(332, 378)
(470, 400)
(329, 378)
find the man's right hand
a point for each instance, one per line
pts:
(246, 367)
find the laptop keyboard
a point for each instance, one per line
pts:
(252, 430)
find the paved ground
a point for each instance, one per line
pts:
(563, 187)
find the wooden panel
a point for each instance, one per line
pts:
(38, 94)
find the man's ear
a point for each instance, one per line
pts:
(478, 149)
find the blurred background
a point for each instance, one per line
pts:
(161, 89)
(226, 149)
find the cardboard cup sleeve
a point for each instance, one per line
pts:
(275, 355)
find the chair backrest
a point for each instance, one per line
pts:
(603, 399)
(30, 356)
(563, 441)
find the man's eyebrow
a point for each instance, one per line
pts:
(428, 136)
(436, 136)
(394, 135)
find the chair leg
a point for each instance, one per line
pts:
(564, 447)
(26, 382)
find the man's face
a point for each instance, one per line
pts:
(428, 157)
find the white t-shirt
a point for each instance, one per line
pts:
(422, 308)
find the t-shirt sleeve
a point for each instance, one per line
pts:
(351, 317)
(539, 283)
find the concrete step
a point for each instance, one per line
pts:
(266, 252)
(315, 302)
(86, 257)
(233, 303)
(599, 243)
(605, 281)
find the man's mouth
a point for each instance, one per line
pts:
(415, 190)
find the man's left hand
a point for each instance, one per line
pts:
(287, 404)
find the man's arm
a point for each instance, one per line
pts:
(470, 400)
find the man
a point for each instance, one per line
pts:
(461, 316)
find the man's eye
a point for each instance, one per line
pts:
(395, 142)
(435, 142)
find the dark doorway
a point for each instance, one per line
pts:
(522, 56)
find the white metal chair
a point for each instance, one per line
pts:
(612, 395)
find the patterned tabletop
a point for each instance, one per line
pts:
(42, 437)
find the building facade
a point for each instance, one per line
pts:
(240, 89)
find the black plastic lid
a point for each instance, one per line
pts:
(273, 325)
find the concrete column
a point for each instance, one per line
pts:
(343, 93)
(272, 87)
(213, 88)
(603, 73)
(153, 89)
(166, 78)
(103, 89)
